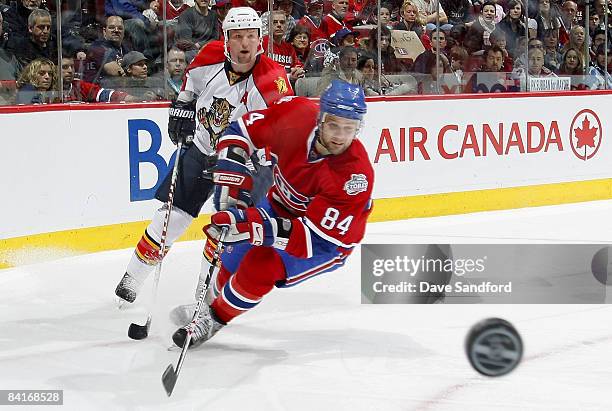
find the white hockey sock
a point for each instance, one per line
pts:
(179, 221)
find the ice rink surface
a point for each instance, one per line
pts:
(311, 347)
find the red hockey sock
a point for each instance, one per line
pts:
(221, 280)
(256, 276)
(148, 250)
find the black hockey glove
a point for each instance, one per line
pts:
(182, 122)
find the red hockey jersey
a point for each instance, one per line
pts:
(330, 194)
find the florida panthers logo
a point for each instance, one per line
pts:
(216, 120)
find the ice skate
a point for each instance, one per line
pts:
(204, 328)
(182, 314)
(128, 288)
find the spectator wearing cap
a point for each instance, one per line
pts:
(16, 17)
(37, 83)
(197, 25)
(286, 6)
(345, 38)
(312, 19)
(344, 68)
(300, 40)
(513, 25)
(600, 69)
(136, 81)
(411, 19)
(281, 51)
(80, 90)
(38, 44)
(104, 55)
(336, 19)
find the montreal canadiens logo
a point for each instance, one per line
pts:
(585, 134)
(357, 184)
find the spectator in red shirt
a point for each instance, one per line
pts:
(79, 90)
(281, 51)
(336, 20)
(313, 18)
(494, 60)
(260, 6)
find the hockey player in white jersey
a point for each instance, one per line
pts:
(225, 80)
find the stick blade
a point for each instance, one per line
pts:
(169, 379)
(138, 332)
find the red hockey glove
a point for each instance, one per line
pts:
(252, 225)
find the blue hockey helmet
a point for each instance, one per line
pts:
(343, 99)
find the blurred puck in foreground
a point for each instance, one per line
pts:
(494, 347)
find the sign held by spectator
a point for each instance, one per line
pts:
(549, 83)
(407, 44)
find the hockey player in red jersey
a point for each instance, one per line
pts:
(313, 216)
(225, 80)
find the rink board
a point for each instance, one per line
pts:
(81, 178)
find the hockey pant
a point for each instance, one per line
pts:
(248, 272)
(191, 192)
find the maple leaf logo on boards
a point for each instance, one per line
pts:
(585, 134)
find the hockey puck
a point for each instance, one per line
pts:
(138, 332)
(494, 347)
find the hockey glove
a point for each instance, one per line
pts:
(181, 121)
(252, 225)
(233, 179)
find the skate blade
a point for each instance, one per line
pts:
(122, 304)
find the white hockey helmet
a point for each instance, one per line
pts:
(241, 18)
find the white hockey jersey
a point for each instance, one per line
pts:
(223, 96)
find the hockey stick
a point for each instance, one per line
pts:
(170, 376)
(140, 332)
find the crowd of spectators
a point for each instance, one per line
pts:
(135, 50)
